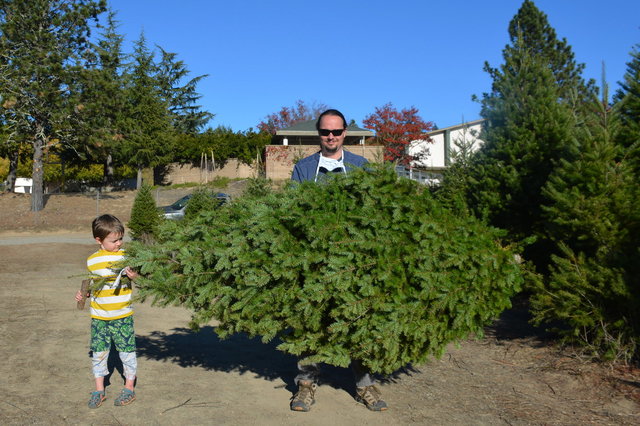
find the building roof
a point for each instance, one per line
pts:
(456, 127)
(308, 128)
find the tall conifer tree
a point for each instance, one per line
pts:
(593, 216)
(627, 101)
(148, 136)
(103, 100)
(186, 116)
(11, 144)
(42, 44)
(536, 102)
(526, 132)
(530, 28)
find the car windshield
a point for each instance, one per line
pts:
(179, 205)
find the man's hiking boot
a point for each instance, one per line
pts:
(372, 398)
(304, 398)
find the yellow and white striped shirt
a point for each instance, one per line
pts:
(113, 300)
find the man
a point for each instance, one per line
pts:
(332, 129)
(331, 158)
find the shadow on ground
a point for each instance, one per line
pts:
(515, 324)
(237, 353)
(242, 354)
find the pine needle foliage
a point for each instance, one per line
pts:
(536, 102)
(202, 199)
(258, 187)
(627, 101)
(527, 131)
(145, 217)
(530, 27)
(593, 216)
(364, 267)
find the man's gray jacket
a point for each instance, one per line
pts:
(306, 168)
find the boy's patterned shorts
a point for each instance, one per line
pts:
(119, 330)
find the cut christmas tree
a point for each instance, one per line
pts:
(364, 267)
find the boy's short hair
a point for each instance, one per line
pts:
(105, 225)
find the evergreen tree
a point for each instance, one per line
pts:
(9, 148)
(593, 216)
(145, 217)
(627, 100)
(526, 132)
(536, 103)
(186, 116)
(41, 47)
(530, 28)
(201, 200)
(221, 144)
(149, 137)
(251, 146)
(258, 187)
(103, 100)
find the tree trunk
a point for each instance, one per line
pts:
(139, 178)
(37, 190)
(13, 170)
(107, 177)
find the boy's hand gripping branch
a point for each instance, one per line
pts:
(84, 291)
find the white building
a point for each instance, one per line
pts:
(432, 157)
(23, 185)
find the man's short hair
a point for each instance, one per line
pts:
(105, 225)
(332, 112)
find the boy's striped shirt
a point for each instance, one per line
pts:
(113, 300)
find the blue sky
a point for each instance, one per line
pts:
(359, 55)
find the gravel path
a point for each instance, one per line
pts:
(60, 237)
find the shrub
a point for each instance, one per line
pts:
(145, 216)
(201, 200)
(258, 187)
(219, 182)
(596, 304)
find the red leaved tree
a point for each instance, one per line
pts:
(396, 129)
(287, 116)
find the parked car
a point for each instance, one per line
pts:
(176, 210)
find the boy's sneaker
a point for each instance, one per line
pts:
(304, 398)
(372, 398)
(126, 397)
(97, 398)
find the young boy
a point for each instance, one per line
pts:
(111, 312)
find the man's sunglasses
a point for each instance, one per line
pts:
(325, 132)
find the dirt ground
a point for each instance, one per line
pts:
(511, 376)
